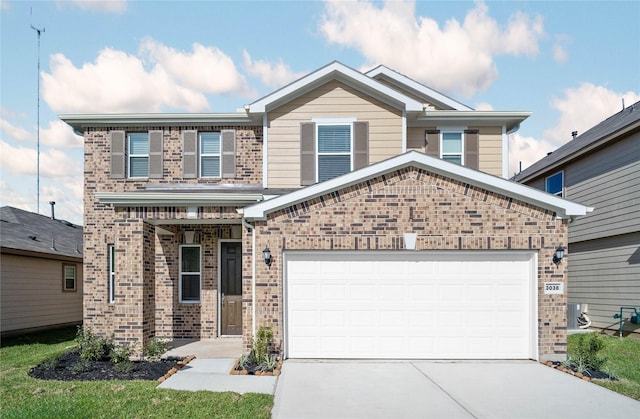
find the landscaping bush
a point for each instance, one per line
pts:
(586, 351)
(92, 347)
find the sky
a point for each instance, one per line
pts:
(570, 63)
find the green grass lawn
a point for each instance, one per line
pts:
(24, 397)
(622, 361)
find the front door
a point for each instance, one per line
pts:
(231, 288)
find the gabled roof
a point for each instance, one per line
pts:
(24, 231)
(608, 130)
(340, 72)
(562, 207)
(382, 72)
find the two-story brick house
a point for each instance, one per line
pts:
(358, 214)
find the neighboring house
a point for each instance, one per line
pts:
(600, 168)
(40, 271)
(292, 212)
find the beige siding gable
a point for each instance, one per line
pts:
(331, 100)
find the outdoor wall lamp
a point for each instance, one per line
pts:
(266, 253)
(559, 255)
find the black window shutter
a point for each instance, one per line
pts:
(228, 146)
(361, 144)
(118, 167)
(190, 154)
(155, 154)
(307, 153)
(471, 146)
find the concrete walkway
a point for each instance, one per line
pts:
(440, 389)
(210, 370)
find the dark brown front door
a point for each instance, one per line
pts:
(231, 288)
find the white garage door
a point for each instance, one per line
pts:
(454, 305)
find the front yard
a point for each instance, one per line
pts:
(622, 362)
(24, 397)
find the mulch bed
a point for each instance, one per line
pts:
(70, 367)
(587, 375)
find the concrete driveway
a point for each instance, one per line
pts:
(441, 389)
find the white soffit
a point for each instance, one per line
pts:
(167, 198)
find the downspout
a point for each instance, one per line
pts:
(246, 224)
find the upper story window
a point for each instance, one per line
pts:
(334, 150)
(136, 154)
(332, 147)
(209, 154)
(554, 184)
(452, 147)
(68, 277)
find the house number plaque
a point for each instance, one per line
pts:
(554, 288)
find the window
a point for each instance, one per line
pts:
(555, 184)
(190, 273)
(138, 154)
(68, 277)
(209, 154)
(334, 150)
(452, 149)
(112, 273)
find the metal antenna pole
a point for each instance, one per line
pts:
(39, 31)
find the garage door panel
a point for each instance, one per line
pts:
(376, 306)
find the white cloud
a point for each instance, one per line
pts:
(271, 74)
(4, 5)
(560, 55)
(17, 133)
(9, 196)
(68, 203)
(21, 161)
(526, 150)
(457, 57)
(583, 107)
(206, 68)
(60, 134)
(483, 106)
(109, 6)
(120, 82)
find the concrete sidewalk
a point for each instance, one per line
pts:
(441, 389)
(213, 375)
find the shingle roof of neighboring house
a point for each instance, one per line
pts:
(29, 232)
(609, 129)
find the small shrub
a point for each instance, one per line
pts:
(124, 366)
(155, 348)
(50, 363)
(243, 362)
(269, 364)
(586, 352)
(91, 347)
(261, 344)
(120, 354)
(80, 366)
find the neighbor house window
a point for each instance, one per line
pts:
(334, 150)
(209, 154)
(68, 277)
(112, 273)
(138, 154)
(452, 147)
(190, 273)
(555, 184)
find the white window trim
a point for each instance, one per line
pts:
(201, 155)
(189, 273)
(130, 156)
(64, 277)
(112, 273)
(333, 121)
(453, 130)
(561, 193)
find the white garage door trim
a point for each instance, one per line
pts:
(526, 263)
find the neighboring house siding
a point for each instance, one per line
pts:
(605, 274)
(609, 181)
(32, 295)
(332, 100)
(374, 214)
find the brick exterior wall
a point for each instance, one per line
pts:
(146, 263)
(446, 214)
